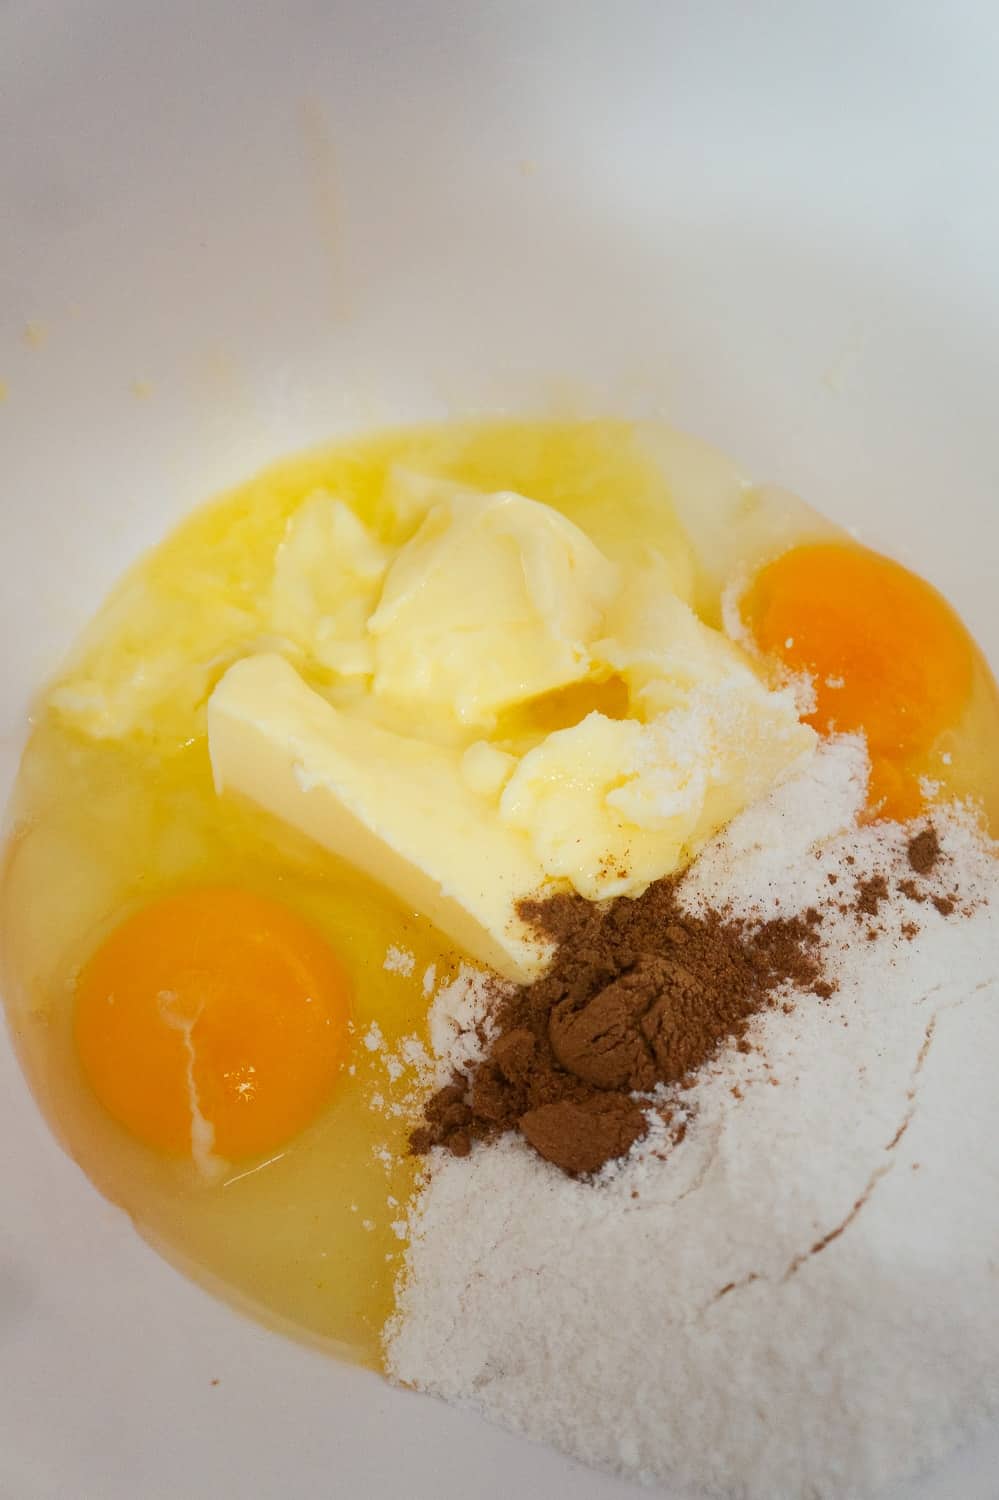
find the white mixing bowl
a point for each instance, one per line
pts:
(229, 230)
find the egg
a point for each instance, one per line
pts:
(212, 1021)
(882, 651)
(209, 1009)
(886, 655)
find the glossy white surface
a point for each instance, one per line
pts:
(231, 230)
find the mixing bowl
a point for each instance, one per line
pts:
(232, 230)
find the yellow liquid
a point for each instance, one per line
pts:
(104, 819)
(310, 1239)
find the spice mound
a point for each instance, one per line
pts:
(641, 993)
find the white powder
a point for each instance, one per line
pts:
(800, 684)
(413, 1053)
(458, 1024)
(459, 1020)
(801, 1299)
(373, 1038)
(399, 961)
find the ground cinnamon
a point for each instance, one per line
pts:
(640, 993)
(924, 850)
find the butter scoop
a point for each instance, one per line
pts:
(493, 601)
(396, 808)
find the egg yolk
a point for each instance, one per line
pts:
(212, 1023)
(887, 655)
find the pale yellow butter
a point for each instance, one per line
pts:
(660, 647)
(487, 607)
(611, 805)
(493, 601)
(486, 769)
(327, 576)
(396, 808)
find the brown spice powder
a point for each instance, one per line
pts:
(640, 993)
(870, 894)
(924, 850)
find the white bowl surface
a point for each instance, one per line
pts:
(230, 230)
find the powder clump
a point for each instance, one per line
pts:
(924, 851)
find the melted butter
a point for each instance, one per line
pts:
(199, 601)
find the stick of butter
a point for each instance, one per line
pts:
(397, 808)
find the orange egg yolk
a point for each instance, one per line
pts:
(212, 1022)
(885, 651)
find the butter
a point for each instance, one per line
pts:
(504, 696)
(395, 807)
(660, 647)
(327, 576)
(486, 769)
(492, 612)
(558, 798)
(611, 805)
(493, 601)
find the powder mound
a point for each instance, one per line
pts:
(641, 993)
(729, 1310)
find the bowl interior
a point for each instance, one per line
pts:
(232, 231)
